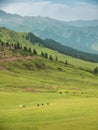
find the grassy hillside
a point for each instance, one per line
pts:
(40, 73)
(36, 72)
(26, 65)
(27, 39)
(37, 93)
(53, 95)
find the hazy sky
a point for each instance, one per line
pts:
(60, 9)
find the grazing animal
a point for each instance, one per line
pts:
(21, 105)
(60, 92)
(38, 105)
(47, 103)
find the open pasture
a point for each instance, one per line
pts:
(66, 111)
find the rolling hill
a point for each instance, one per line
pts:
(17, 55)
(40, 93)
(81, 35)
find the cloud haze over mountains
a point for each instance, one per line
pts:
(59, 9)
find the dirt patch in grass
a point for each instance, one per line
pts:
(2, 68)
(10, 59)
(32, 90)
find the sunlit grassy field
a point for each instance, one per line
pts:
(66, 111)
(56, 96)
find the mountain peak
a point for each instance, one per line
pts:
(81, 35)
(6, 15)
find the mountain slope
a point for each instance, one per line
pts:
(63, 49)
(36, 72)
(28, 39)
(84, 23)
(81, 35)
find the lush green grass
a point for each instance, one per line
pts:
(65, 111)
(43, 74)
(39, 81)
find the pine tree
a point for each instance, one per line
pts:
(46, 55)
(66, 62)
(7, 44)
(34, 52)
(42, 54)
(56, 58)
(18, 45)
(25, 48)
(2, 43)
(96, 70)
(30, 50)
(15, 46)
(51, 58)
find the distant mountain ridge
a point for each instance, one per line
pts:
(81, 35)
(84, 23)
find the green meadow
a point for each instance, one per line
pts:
(55, 96)
(65, 112)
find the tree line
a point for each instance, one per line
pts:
(30, 51)
(18, 46)
(26, 50)
(54, 45)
